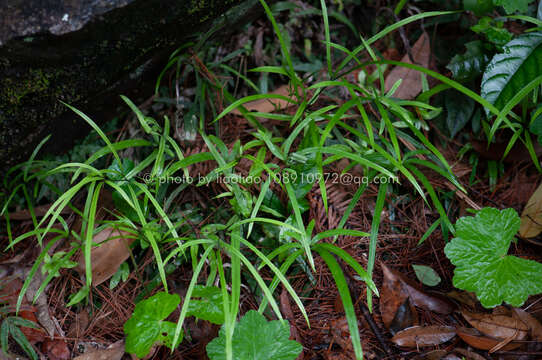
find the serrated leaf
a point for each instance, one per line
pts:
(209, 306)
(255, 338)
(511, 6)
(146, 326)
(479, 253)
(459, 111)
(493, 30)
(426, 275)
(509, 72)
(470, 64)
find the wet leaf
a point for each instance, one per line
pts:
(426, 275)
(396, 288)
(405, 317)
(479, 253)
(497, 326)
(535, 328)
(419, 336)
(206, 304)
(470, 64)
(464, 297)
(109, 255)
(256, 338)
(477, 340)
(411, 81)
(531, 217)
(146, 326)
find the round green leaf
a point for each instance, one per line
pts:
(256, 338)
(426, 275)
(479, 253)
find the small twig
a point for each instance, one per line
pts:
(367, 315)
(374, 327)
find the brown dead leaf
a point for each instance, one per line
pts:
(535, 328)
(115, 351)
(419, 336)
(33, 335)
(396, 288)
(477, 340)
(55, 349)
(405, 317)
(39, 211)
(411, 84)
(270, 105)
(431, 355)
(80, 324)
(531, 217)
(464, 297)
(497, 326)
(107, 257)
(341, 334)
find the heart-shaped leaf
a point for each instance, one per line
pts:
(257, 339)
(509, 72)
(479, 253)
(147, 326)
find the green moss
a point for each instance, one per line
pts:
(34, 82)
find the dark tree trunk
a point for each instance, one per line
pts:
(115, 53)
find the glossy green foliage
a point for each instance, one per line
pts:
(255, 338)
(509, 72)
(511, 6)
(478, 7)
(471, 64)
(479, 252)
(146, 326)
(206, 304)
(459, 111)
(493, 30)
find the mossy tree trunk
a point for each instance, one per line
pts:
(116, 54)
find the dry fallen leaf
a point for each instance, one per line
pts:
(497, 326)
(477, 340)
(431, 355)
(464, 297)
(411, 84)
(418, 336)
(107, 257)
(531, 217)
(33, 335)
(405, 317)
(39, 211)
(535, 328)
(115, 351)
(55, 349)
(270, 105)
(396, 288)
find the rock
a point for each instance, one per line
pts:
(85, 53)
